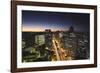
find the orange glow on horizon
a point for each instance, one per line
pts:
(32, 29)
(39, 29)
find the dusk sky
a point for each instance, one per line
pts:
(40, 20)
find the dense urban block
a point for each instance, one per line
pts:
(58, 45)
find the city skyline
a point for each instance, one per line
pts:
(40, 20)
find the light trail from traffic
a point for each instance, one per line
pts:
(60, 54)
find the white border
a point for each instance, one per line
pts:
(58, 63)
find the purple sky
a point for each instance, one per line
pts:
(40, 20)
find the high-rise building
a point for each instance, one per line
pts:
(48, 37)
